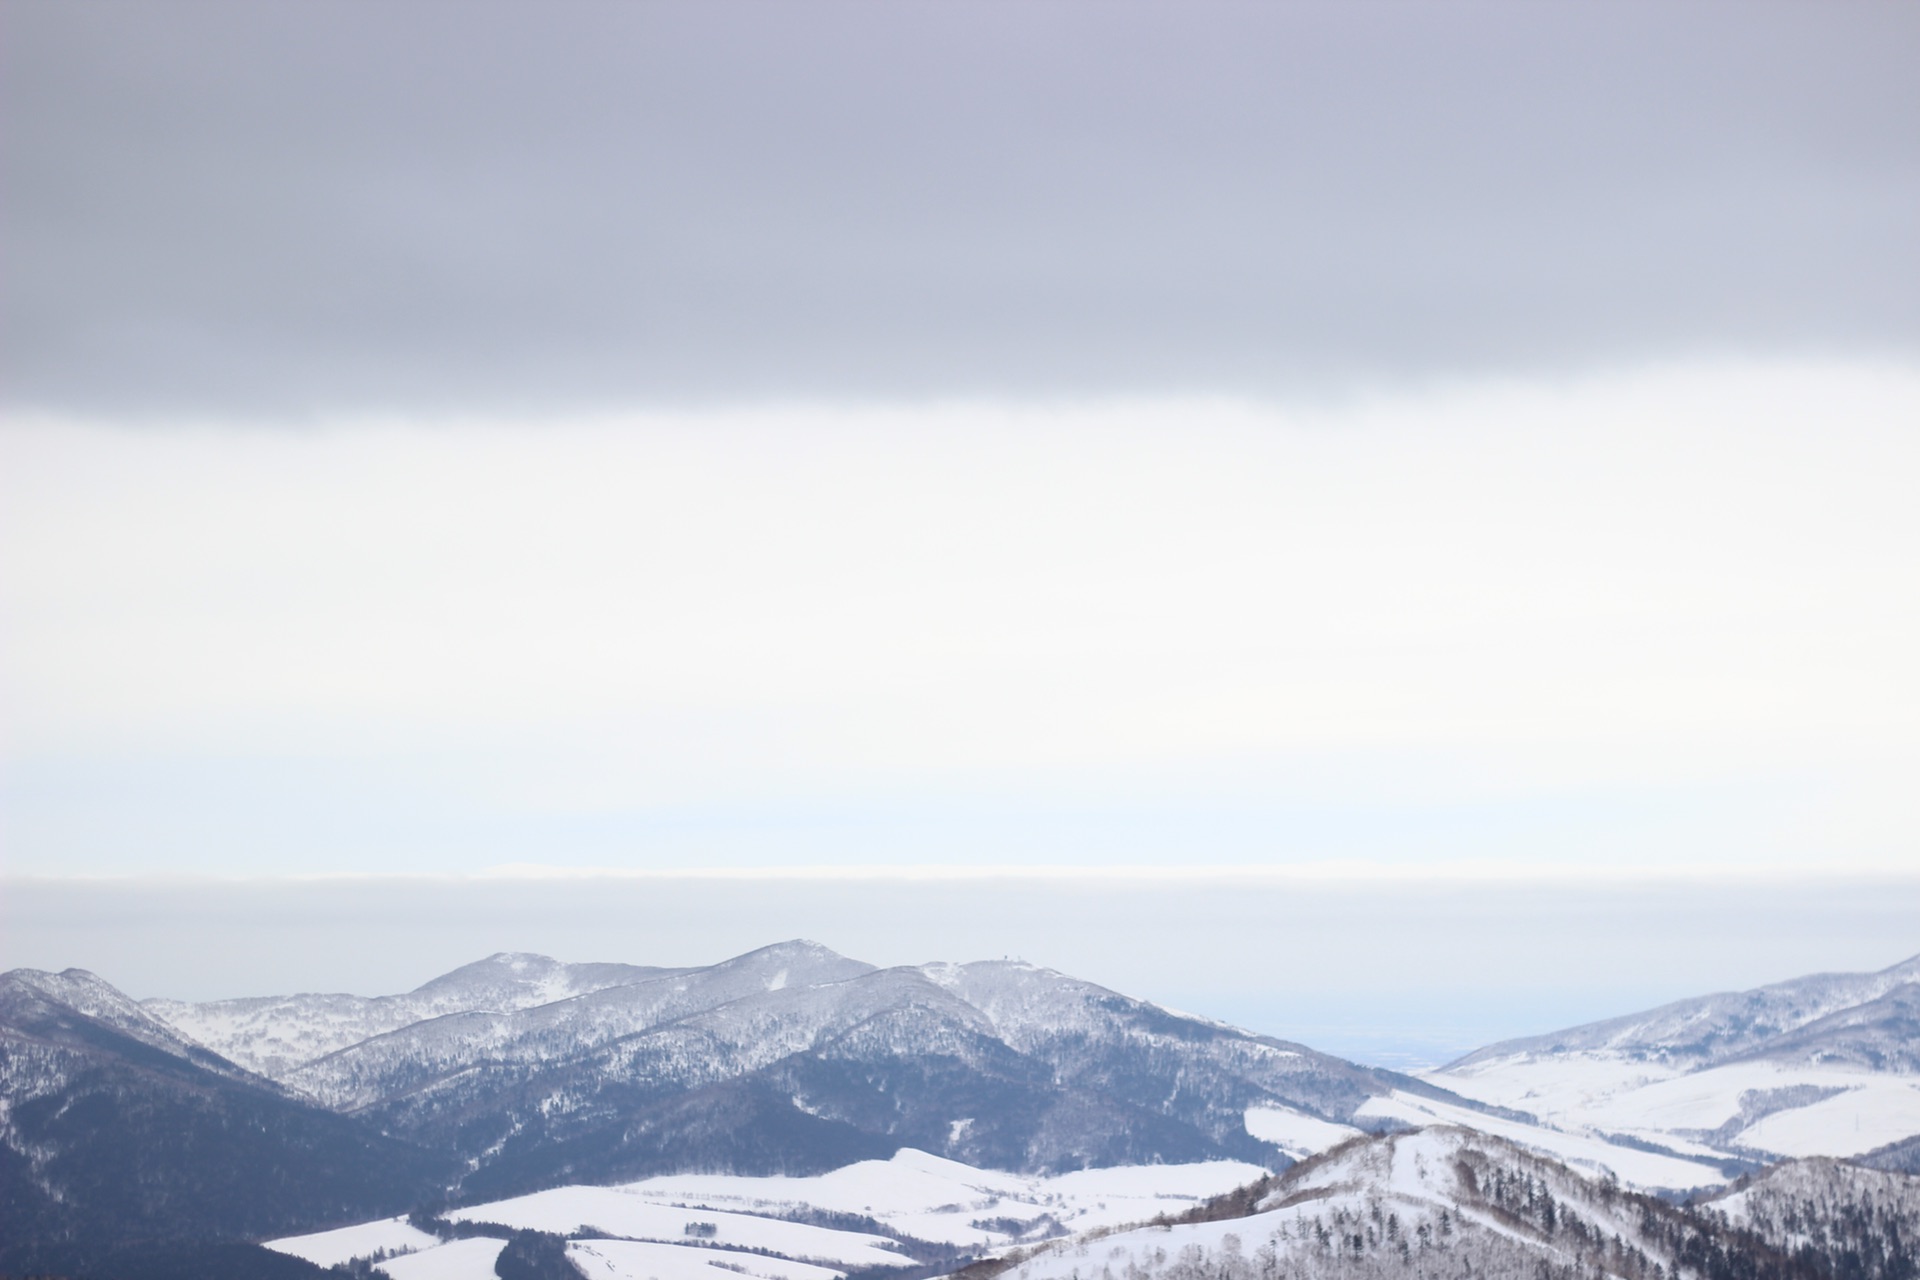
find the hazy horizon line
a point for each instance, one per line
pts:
(1467, 871)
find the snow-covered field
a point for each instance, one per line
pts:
(1294, 1132)
(365, 1240)
(640, 1260)
(454, 1260)
(693, 1226)
(1780, 1108)
(628, 1215)
(928, 1197)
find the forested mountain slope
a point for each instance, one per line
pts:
(113, 1130)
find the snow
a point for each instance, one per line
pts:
(1601, 1093)
(482, 1006)
(1189, 1183)
(456, 1260)
(1294, 1132)
(1712, 1029)
(1394, 1170)
(1847, 1124)
(637, 1260)
(932, 1198)
(1413, 1175)
(1553, 1087)
(618, 1211)
(915, 1194)
(331, 1248)
(1640, 1168)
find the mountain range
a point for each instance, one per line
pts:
(155, 1125)
(787, 1059)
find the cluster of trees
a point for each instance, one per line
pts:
(535, 1255)
(1837, 1220)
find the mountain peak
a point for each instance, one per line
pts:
(58, 1006)
(798, 962)
(522, 961)
(81, 990)
(500, 965)
(796, 948)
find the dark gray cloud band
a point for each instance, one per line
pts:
(241, 209)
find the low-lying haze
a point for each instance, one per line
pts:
(1399, 970)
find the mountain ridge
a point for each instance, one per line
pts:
(1723, 1026)
(1825, 1065)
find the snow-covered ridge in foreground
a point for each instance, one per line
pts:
(1441, 1201)
(1641, 1169)
(692, 1224)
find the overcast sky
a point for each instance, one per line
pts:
(1392, 445)
(327, 208)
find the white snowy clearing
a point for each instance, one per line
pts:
(621, 1213)
(640, 1260)
(928, 1197)
(454, 1260)
(1296, 1133)
(1782, 1108)
(366, 1240)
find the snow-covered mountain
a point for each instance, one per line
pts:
(1786, 1021)
(275, 1034)
(114, 1127)
(1827, 1065)
(74, 1009)
(787, 1059)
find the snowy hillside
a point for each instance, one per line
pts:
(1690, 1034)
(56, 1006)
(1438, 1202)
(1827, 1065)
(114, 1128)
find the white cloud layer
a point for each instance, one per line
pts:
(1689, 577)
